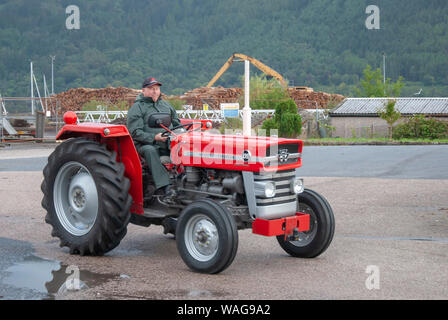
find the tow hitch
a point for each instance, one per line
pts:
(289, 226)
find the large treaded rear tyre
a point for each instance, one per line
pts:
(86, 197)
(314, 242)
(207, 236)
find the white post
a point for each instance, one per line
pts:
(384, 72)
(52, 74)
(247, 112)
(38, 94)
(45, 95)
(32, 88)
(1, 120)
(3, 109)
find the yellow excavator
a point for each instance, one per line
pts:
(241, 57)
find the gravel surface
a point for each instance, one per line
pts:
(399, 226)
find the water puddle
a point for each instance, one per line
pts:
(39, 278)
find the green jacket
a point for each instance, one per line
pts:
(137, 120)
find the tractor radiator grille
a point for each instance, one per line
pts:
(289, 150)
(282, 180)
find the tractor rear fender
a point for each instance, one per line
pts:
(118, 139)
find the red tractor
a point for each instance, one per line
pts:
(95, 183)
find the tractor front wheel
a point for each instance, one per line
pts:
(86, 197)
(316, 240)
(207, 236)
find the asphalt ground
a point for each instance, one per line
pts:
(399, 162)
(386, 161)
(391, 238)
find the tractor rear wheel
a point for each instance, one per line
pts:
(207, 236)
(86, 197)
(316, 240)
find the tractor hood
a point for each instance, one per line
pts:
(236, 152)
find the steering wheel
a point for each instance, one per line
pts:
(186, 126)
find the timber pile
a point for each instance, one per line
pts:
(212, 96)
(304, 97)
(75, 99)
(309, 99)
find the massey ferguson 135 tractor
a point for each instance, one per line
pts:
(95, 183)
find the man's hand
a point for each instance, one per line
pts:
(159, 137)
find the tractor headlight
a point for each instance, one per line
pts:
(269, 190)
(297, 185)
(265, 189)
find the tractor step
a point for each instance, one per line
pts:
(157, 211)
(151, 213)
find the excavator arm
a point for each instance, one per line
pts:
(241, 57)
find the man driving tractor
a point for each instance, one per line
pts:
(148, 141)
(94, 186)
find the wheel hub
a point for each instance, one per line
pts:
(205, 234)
(79, 198)
(75, 198)
(202, 238)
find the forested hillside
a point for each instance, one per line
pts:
(319, 43)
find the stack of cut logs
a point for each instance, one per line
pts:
(309, 99)
(211, 96)
(75, 99)
(305, 98)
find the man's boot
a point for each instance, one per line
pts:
(166, 191)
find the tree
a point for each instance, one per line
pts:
(373, 85)
(264, 93)
(419, 127)
(390, 115)
(286, 120)
(185, 41)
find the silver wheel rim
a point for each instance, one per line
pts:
(201, 238)
(75, 198)
(306, 237)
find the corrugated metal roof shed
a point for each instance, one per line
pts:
(363, 107)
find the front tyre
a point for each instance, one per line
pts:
(86, 197)
(317, 239)
(206, 236)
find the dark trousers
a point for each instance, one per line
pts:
(152, 154)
